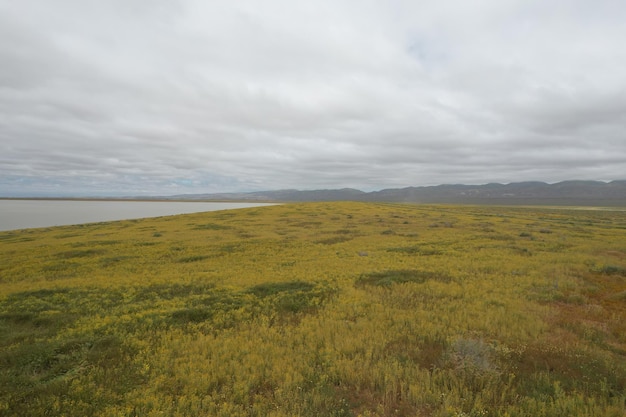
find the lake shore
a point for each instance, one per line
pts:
(35, 213)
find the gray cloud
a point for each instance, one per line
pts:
(160, 97)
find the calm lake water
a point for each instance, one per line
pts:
(22, 214)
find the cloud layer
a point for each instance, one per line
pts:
(125, 97)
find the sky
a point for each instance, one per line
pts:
(166, 97)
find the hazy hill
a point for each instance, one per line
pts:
(344, 194)
(563, 193)
(588, 193)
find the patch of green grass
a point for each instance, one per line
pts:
(334, 240)
(211, 226)
(37, 365)
(29, 326)
(306, 224)
(157, 292)
(194, 258)
(70, 254)
(229, 248)
(387, 278)
(192, 315)
(60, 269)
(611, 270)
(520, 251)
(272, 288)
(96, 243)
(112, 260)
(66, 302)
(12, 237)
(291, 296)
(416, 250)
(66, 235)
(223, 300)
(146, 243)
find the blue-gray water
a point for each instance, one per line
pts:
(22, 214)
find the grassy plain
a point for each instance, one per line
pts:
(318, 309)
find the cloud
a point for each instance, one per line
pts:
(158, 97)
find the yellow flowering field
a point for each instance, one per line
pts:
(318, 309)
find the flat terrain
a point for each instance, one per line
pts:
(318, 309)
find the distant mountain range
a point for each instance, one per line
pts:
(572, 193)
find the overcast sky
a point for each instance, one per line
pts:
(131, 97)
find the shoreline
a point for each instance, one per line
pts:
(23, 214)
(133, 199)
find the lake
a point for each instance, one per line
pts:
(23, 214)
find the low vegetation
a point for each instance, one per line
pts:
(318, 309)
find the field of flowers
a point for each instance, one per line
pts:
(318, 309)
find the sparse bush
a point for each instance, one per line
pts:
(471, 354)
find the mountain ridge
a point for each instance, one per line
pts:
(573, 192)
